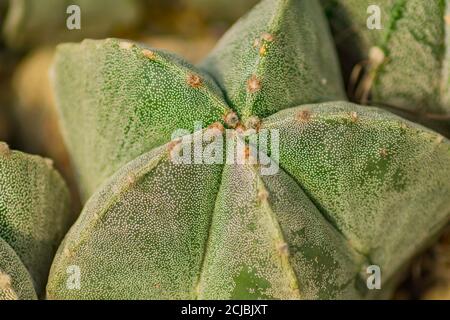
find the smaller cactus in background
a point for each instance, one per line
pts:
(404, 64)
(15, 281)
(34, 210)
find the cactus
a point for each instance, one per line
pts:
(351, 191)
(34, 210)
(29, 23)
(15, 281)
(405, 61)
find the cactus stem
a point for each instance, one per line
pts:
(4, 149)
(194, 80)
(354, 116)
(149, 54)
(304, 116)
(253, 84)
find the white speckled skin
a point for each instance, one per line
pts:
(414, 39)
(15, 281)
(34, 211)
(356, 185)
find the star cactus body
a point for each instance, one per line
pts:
(355, 186)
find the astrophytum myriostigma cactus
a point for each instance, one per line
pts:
(402, 46)
(34, 210)
(15, 281)
(355, 186)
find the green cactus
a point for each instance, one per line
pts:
(406, 61)
(15, 281)
(34, 210)
(29, 23)
(356, 186)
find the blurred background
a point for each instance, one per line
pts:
(29, 32)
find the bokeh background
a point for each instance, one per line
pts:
(30, 30)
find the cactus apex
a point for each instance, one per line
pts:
(4, 149)
(194, 80)
(354, 116)
(253, 84)
(231, 119)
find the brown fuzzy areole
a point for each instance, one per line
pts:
(194, 80)
(384, 153)
(149, 54)
(304, 116)
(253, 84)
(231, 119)
(5, 281)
